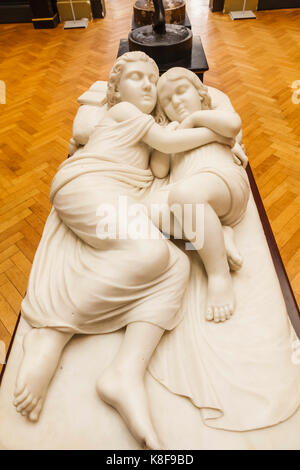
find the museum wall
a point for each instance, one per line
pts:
(235, 5)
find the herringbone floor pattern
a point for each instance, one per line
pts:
(254, 61)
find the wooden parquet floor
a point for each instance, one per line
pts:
(254, 61)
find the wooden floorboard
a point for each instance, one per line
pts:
(255, 62)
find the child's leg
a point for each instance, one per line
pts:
(160, 197)
(234, 257)
(42, 351)
(209, 190)
(122, 384)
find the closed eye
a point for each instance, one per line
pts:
(181, 89)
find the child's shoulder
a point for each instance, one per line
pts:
(219, 99)
(123, 111)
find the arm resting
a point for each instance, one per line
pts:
(225, 123)
(180, 140)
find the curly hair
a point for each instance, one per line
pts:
(112, 94)
(176, 73)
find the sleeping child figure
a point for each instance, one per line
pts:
(212, 175)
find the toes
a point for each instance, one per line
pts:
(236, 267)
(210, 314)
(22, 406)
(216, 315)
(227, 312)
(20, 398)
(31, 405)
(35, 413)
(235, 263)
(222, 314)
(239, 260)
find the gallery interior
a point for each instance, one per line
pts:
(153, 348)
(44, 68)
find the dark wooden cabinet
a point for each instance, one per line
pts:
(274, 4)
(15, 11)
(218, 5)
(44, 13)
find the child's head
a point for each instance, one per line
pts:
(180, 93)
(125, 61)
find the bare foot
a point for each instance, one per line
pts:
(234, 257)
(220, 297)
(127, 395)
(42, 352)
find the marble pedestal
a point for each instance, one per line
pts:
(75, 418)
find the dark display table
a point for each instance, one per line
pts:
(196, 62)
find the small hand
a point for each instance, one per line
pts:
(239, 155)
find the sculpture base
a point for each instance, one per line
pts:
(196, 61)
(75, 418)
